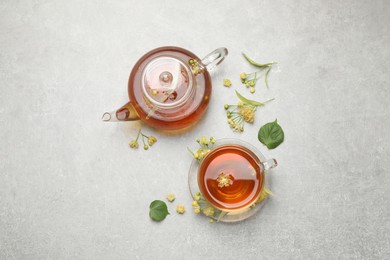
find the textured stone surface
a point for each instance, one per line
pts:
(70, 188)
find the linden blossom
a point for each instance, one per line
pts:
(223, 180)
(150, 140)
(204, 143)
(250, 79)
(244, 111)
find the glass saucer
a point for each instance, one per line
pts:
(231, 216)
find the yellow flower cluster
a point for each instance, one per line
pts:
(243, 112)
(133, 144)
(150, 140)
(249, 80)
(248, 113)
(204, 143)
(209, 211)
(195, 204)
(201, 153)
(223, 180)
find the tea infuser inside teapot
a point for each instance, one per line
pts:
(169, 88)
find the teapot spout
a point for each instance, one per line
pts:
(125, 113)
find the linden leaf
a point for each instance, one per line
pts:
(271, 134)
(158, 210)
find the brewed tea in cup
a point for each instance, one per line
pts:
(231, 177)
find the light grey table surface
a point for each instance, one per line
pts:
(71, 188)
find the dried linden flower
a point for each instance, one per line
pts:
(204, 144)
(204, 140)
(171, 197)
(133, 144)
(211, 220)
(151, 140)
(195, 203)
(243, 112)
(180, 209)
(209, 211)
(227, 82)
(223, 180)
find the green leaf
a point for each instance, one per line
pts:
(254, 63)
(271, 134)
(158, 210)
(251, 102)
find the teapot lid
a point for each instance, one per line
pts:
(167, 81)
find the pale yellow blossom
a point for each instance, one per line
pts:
(180, 209)
(171, 197)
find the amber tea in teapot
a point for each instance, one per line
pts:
(169, 88)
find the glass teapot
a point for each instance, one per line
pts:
(169, 88)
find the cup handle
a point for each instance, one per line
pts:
(214, 58)
(268, 165)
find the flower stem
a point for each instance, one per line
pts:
(139, 132)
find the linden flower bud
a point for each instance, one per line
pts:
(240, 104)
(212, 140)
(180, 209)
(211, 220)
(197, 210)
(195, 203)
(133, 144)
(227, 82)
(252, 83)
(171, 197)
(229, 114)
(243, 75)
(197, 197)
(196, 155)
(146, 147)
(151, 140)
(209, 211)
(226, 106)
(204, 140)
(252, 90)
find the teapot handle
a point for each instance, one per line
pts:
(268, 165)
(214, 58)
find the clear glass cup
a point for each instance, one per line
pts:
(231, 178)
